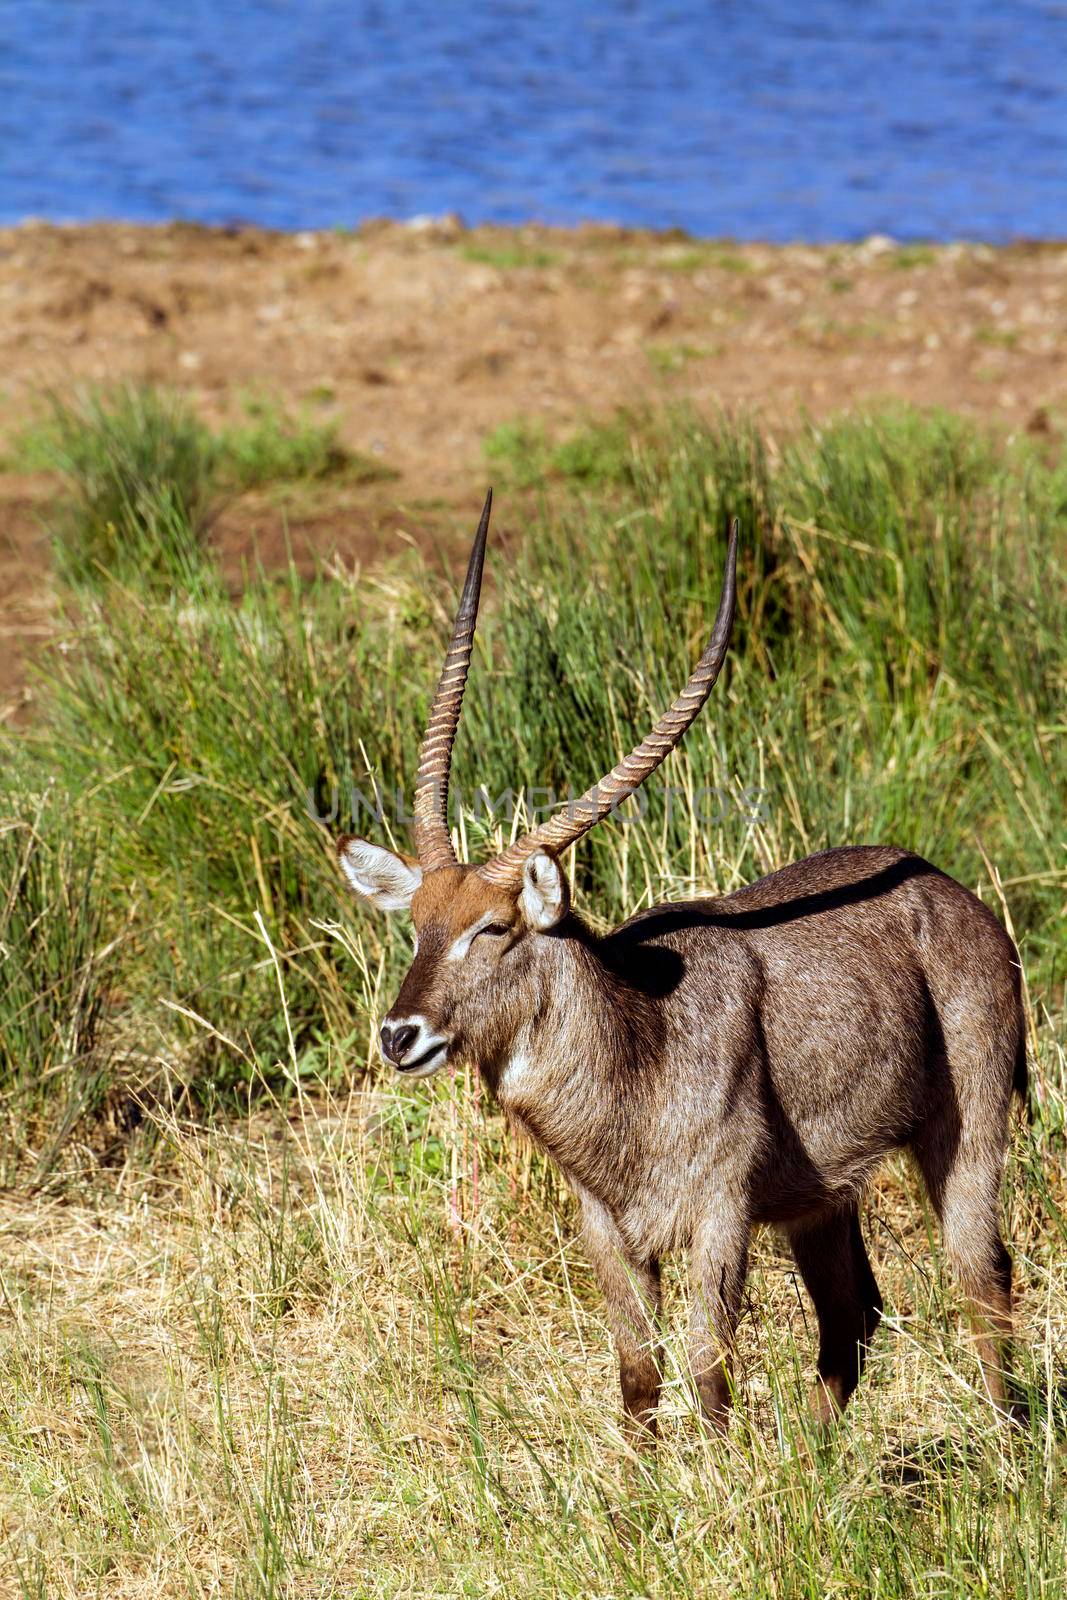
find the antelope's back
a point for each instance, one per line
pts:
(864, 978)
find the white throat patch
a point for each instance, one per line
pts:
(518, 1074)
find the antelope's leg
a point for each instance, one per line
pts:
(964, 1186)
(834, 1264)
(718, 1266)
(631, 1291)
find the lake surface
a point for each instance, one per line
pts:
(790, 119)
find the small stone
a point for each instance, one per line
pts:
(446, 226)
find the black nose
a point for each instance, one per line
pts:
(397, 1041)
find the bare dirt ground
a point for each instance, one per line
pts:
(420, 340)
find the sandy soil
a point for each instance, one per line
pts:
(420, 340)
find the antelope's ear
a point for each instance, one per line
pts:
(385, 879)
(545, 898)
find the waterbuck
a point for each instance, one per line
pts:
(717, 1063)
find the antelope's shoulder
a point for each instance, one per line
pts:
(671, 950)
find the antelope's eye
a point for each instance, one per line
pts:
(497, 929)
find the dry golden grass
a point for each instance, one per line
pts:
(290, 1357)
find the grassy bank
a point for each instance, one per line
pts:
(261, 1336)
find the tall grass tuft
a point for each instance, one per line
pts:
(57, 964)
(142, 477)
(137, 469)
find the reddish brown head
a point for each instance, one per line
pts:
(467, 989)
(474, 926)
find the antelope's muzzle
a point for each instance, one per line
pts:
(412, 1046)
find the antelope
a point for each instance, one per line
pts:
(714, 1064)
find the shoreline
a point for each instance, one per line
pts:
(451, 222)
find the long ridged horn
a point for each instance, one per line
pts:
(433, 842)
(632, 771)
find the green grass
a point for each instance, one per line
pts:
(508, 257)
(247, 1347)
(142, 476)
(699, 257)
(521, 450)
(913, 255)
(271, 447)
(1001, 338)
(138, 471)
(57, 962)
(833, 333)
(674, 357)
(601, 454)
(897, 674)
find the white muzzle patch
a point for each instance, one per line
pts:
(411, 1046)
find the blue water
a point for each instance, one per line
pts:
(791, 119)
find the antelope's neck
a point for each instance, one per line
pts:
(580, 1073)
